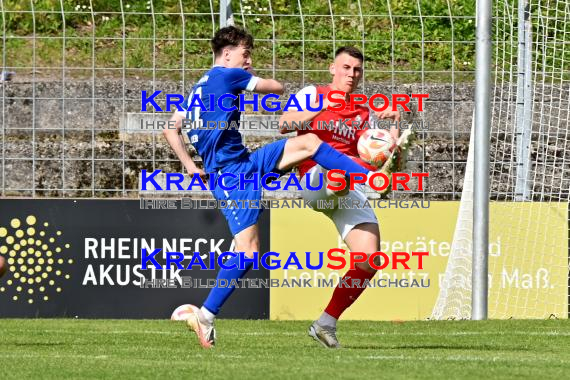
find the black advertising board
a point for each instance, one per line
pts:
(81, 258)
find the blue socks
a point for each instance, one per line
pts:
(330, 158)
(219, 295)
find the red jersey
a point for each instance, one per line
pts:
(343, 137)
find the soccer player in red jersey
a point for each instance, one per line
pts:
(358, 227)
(223, 151)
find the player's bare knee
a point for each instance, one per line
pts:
(377, 260)
(338, 193)
(367, 267)
(311, 143)
(249, 247)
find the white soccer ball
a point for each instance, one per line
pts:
(182, 312)
(375, 146)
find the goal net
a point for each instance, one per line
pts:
(529, 170)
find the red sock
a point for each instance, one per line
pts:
(344, 296)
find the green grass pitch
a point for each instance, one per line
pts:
(137, 349)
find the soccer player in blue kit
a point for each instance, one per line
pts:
(222, 151)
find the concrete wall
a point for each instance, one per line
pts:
(86, 124)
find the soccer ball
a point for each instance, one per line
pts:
(182, 312)
(375, 146)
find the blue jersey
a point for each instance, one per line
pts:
(218, 147)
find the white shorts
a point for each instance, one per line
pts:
(344, 219)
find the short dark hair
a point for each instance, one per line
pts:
(233, 36)
(350, 50)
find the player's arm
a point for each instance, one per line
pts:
(241, 79)
(268, 86)
(295, 118)
(174, 138)
(265, 86)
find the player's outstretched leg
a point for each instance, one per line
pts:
(309, 146)
(202, 322)
(364, 237)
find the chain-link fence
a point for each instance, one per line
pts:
(74, 72)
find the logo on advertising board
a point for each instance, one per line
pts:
(38, 257)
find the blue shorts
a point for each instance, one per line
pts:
(262, 161)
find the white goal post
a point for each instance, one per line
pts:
(529, 175)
